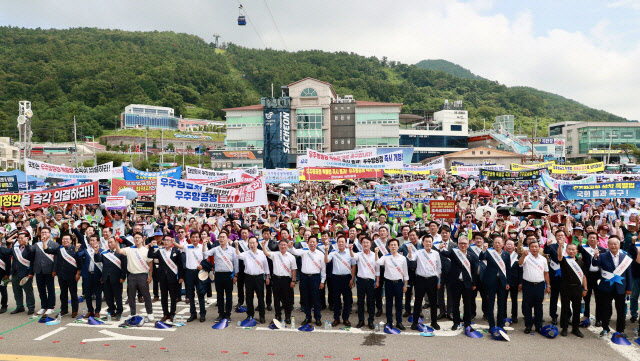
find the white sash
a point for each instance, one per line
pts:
(554, 266)
(535, 263)
(226, 260)
(91, 252)
(475, 249)
(396, 266)
(283, 264)
(369, 266)
(514, 258)
(498, 260)
(18, 253)
(111, 257)
(104, 243)
(575, 267)
(622, 266)
(39, 244)
(255, 259)
(358, 246)
(3, 265)
(381, 247)
(242, 247)
(425, 257)
(304, 245)
(314, 261)
(590, 250)
(463, 259)
(67, 257)
(344, 263)
(166, 256)
(144, 264)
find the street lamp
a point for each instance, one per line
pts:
(24, 127)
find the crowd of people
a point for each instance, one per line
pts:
(513, 237)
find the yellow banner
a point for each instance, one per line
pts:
(402, 171)
(519, 167)
(605, 151)
(576, 169)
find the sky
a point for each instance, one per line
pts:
(585, 50)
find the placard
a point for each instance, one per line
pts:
(45, 170)
(443, 209)
(83, 194)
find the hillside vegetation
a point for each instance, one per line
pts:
(93, 74)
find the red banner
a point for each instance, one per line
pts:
(82, 194)
(145, 187)
(328, 174)
(443, 209)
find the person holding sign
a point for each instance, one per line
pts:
(615, 282)
(496, 278)
(140, 274)
(170, 274)
(396, 276)
(535, 275)
(462, 278)
(573, 286)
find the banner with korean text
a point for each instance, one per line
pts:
(600, 190)
(442, 209)
(179, 193)
(400, 187)
(554, 184)
(40, 169)
(83, 194)
(200, 173)
(232, 179)
(517, 167)
(392, 160)
(508, 175)
(281, 175)
(115, 203)
(131, 173)
(146, 187)
(328, 174)
(577, 169)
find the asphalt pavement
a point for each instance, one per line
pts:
(22, 335)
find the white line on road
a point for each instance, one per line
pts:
(118, 337)
(115, 326)
(49, 334)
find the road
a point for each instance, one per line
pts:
(21, 335)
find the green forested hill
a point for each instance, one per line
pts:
(93, 74)
(448, 67)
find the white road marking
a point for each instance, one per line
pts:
(629, 352)
(50, 334)
(118, 337)
(146, 327)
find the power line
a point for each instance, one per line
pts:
(252, 25)
(275, 24)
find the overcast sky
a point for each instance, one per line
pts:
(586, 50)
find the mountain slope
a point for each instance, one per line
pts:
(449, 68)
(93, 74)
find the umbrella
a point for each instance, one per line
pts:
(273, 196)
(481, 192)
(335, 182)
(349, 182)
(340, 187)
(505, 210)
(285, 185)
(373, 183)
(532, 212)
(480, 211)
(128, 193)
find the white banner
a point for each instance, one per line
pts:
(467, 171)
(616, 177)
(393, 160)
(281, 175)
(302, 161)
(199, 173)
(180, 193)
(115, 202)
(45, 170)
(437, 163)
(554, 184)
(234, 178)
(400, 187)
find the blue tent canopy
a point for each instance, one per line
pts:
(22, 179)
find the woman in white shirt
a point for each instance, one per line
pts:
(396, 276)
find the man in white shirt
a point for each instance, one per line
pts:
(428, 275)
(193, 256)
(367, 269)
(284, 275)
(312, 279)
(256, 270)
(140, 273)
(226, 270)
(535, 274)
(342, 281)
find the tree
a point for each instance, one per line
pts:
(628, 149)
(170, 147)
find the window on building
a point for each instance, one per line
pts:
(473, 152)
(308, 92)
(488, 152)
(456, 128)
(348, 117)
(335, 117)
(342, 117)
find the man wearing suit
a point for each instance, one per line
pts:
(414, 245)
(555, 275)
(477, 247)
(615, 282)
(496, 279)
(114, 273)
(68, 272)
(462, 279)
(515, 280)
(593, 274)
(91, 274)
(42, 268)
(20, 268)
(5, 270)
(170, 275)
(446, 245)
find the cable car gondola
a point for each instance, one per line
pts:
(242, 20)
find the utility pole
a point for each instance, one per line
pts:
(161, 148)
(610, 141)
(75, 140)
(216, 37)
(183, 150)
(146, 144)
